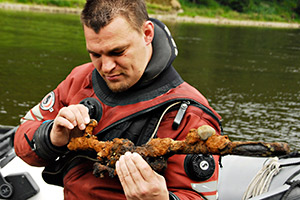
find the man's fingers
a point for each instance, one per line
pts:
(124, 176)
(82, 112)
(142, 166)
(133, 165)
(133, 171)
(124, 168)
(69, 120)
(138, 179)
(66, 114)
(63, 122)
(85, 114)
(77, 115)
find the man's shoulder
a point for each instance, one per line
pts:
(84, 68)
(191, 92)
(81, 72)
(80, 75)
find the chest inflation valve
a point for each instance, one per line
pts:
(94, 106)
(199, 167)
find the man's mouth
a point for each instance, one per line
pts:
(113, 77)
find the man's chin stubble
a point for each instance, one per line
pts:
(119, 89)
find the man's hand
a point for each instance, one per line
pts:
(138, 180)
(70, 121)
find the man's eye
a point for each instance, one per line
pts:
(95, 55)
(117, 53)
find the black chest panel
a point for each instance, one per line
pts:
(141, 127)
(138, 129)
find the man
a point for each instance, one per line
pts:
(133, 91)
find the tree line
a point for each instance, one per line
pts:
(270, 6)
(268, 10)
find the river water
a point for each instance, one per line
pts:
(251, 76)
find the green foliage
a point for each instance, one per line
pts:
(285, 10)
(237, 5)
(61, 3)
(153, 8)
(159, 2)
(266, 10)
(209, 3)
(297, 9)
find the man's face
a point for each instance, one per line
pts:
(119, 52)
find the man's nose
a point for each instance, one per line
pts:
(108, 64)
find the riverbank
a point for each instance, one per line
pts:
(164, 17)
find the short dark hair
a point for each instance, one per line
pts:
(99, 13)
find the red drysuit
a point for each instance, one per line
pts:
(125, 115)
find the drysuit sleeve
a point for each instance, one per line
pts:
(184, 180)
(32, 139)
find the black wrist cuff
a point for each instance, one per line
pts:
(43, 146)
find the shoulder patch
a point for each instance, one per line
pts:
(48, 102)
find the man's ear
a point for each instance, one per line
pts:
(148, 31)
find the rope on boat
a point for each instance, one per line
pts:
(261, 182)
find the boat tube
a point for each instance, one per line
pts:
(239, 172)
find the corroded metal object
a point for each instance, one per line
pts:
(203, 140)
